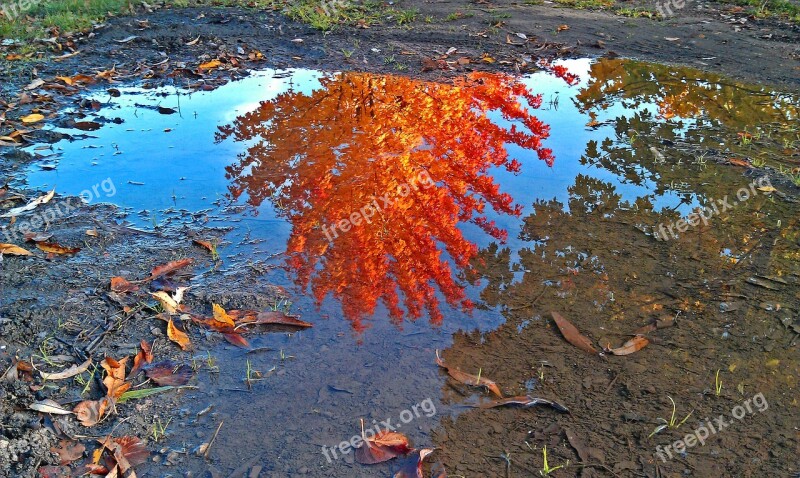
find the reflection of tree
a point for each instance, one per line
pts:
(324, 156)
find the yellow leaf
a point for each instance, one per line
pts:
(32, 118)
(66, 80)
(773, 363)
(210, 65)
(169, 304)
(178, 336)
(767, 189)
(222, 316)
(13, 250)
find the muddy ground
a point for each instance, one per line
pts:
(63, 302)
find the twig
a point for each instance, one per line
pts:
(213, 438)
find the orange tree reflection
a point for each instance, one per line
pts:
(375, 173)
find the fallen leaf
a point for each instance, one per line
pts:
(633, 345)
(49, 406)
(572, 335)
(236, 339)
(467, 379)
(767, 189)
(169, 268)
(739, 162)
(133, 449)
(91, 232)
(53, 248)
(68, 451)
(50, 471)
(382, 447)
(193, 42)
(221, 316)
(32, 118)
(121, 285)
(525, 401)
(36, 236)
(90, 412)
(251, 317)
(144, 356)
(34, 84)
(31, 205)
(70, 372)
(127, 39)
(12, 250)
(210, 65)
(170, 305)
(168, 373)
(412, 468)
(561, 28)
(671, 38)
(115, 377)
(207, 244)
(178, 336)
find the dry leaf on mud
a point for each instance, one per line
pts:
(32, 118)
(170, 305)
(525, 401)
(68, 451)
(53, 248)
(169, 268)
(115, 377)
(210, 65)
(178, 336)
(70, 372)
(90, 412)
(467, 379)
(50, 471)
(412, 468)
(127, 451)
(382, 447)
(12, 250)
(571, 333)
(221, 316)
(206, 244)
(44, 199)
(49, 406)
(562, 28)
(633, 345)
(143, 357)
(168, 373)
(36, 236)
(121, 285)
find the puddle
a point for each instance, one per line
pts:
(405, 217)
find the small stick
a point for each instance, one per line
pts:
(205, 455)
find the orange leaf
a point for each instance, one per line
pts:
(210, 65)
(115, 377)
(382, 447)
(221, 316)
(144, 356)
(90, 412)
(237, 340)
(53, 248)
(178, 336)
(121, 285)
(633, 345)
(13, 250)
(571, 333)
(169, 268)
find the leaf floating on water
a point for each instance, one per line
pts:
(49, 406)
(168, 372)
(633, 345)
(12, 250)
(178, 336)
(251, 317)
(382, 447)
(523, 401)
(412, 468)
(70, 372)
(468, 379)
(571, 333)
(237, 340)
(90, 412)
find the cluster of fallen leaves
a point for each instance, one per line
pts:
(638, 341)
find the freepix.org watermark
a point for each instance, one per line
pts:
(425, 407)
(716, 207)
(422, 181)
(12, 10)
(45, 216)
(710, 427)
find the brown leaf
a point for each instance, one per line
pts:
(572, 335)
(467, 379)
(382, 447)
(54, 472)
(251, 317)
(115, 377)
(237, 340)
(68, 451)
(132, 449)
(178, 336)
(169, 268)
(11, 249)
(168, 373)
(633, 345)
(90, 412)
(121, 285)
(36, 236)
(53, 248)
(525, 401)
(412, 467)
(144, 356)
